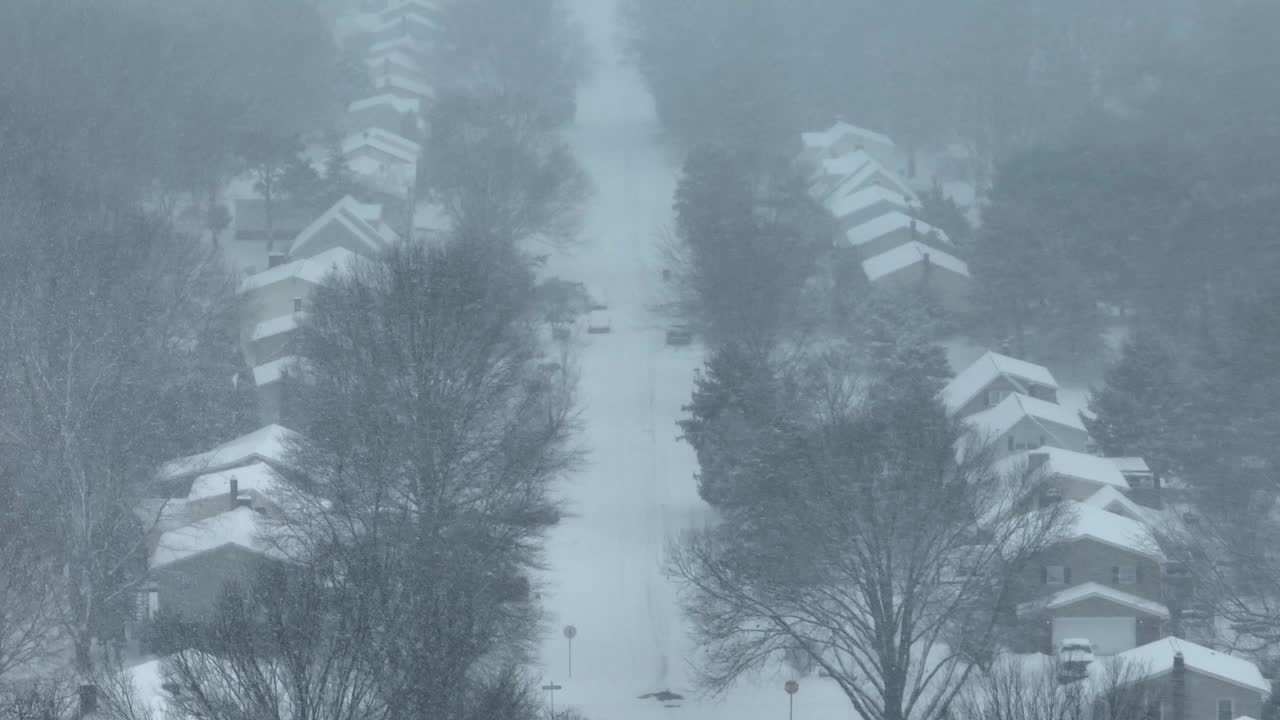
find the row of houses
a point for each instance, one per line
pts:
(1099, 590)
(856, 174)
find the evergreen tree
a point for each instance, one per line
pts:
(1142, 407)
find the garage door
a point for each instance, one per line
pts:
(1108, 635)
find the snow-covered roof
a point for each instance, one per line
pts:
(268, 443)
(891, 221)
(1089, 590)
(397, 146)
(240, 526)
(846, 164)
(397, 103)
(971, 381)
(408, 6)
(866, 175)
(1131, 465)
(258, 477)
(843, 205)
(356, 218)
(396, 79)
(1091, 523)
(276, 326)
(1112, 500)
(313, 269)
(272, 371)
(1155, 659)
(1068, 464)
(994, 422)
(908, 254)
(832, 135)
(400, 42)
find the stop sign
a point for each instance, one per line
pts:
(570, 631)
(791, 687)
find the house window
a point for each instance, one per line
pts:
(297, 304)
(1057, 575)
(186, 583)
(1012, 444)
(1124, 575)
(1226, 709)
(153, 603)
(995, 396)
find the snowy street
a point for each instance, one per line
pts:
(638, 490)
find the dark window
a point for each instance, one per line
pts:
(1226, 709)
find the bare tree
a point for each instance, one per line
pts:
(27, 578)
(1033, 687)
(434, 431)
(109, 364)
(877, 555)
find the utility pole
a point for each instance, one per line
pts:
(551, 689)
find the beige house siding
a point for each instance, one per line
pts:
(1203, 693)
(1091, 561)
(1029, 433)
(191, 587)
(384, 117)
(268, 303)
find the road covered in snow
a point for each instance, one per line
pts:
(637, 492)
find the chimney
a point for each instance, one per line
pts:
(275, 259)
(1178, 693)
(88, 700)
(235, 492)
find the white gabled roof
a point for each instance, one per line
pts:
(827, 138)
(272, 371)
(994, 422)
(843, 205)
(1112, 500)
(889, 222)
(401, 42)
(258, 477)
(397, 79)
(238, 527)
(1069, 464)
(865, 176)
(908, 254)
(1089, 590)
(275, 326)
(1131, 465)
(846, 164)
(392, 144)
(1108, 528)
(268, 443)
(1155, 659)
(397, 103)
(356, 218)
(971, 381)
(312, 270)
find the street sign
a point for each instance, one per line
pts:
(792, 687)
(553, 687)
(570, 631)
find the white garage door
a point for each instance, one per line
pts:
(1108, 635)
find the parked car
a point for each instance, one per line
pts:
(679, 335)
(598, 322)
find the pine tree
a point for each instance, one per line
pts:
(1142, 407)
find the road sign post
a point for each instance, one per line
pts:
(792, 687)
(570, 632)
(551, 688)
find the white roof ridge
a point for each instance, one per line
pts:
(887, 222)
(908, 254)
(1091, 589)
(1224, 666)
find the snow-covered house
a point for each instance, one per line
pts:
(400, 8)
(1065, 474)
(894, 229)
(917, 268)
(190, 566)
(386, 112)
(256, 484)
(1100, 579)
(405, 21)
(865, 205)
(993, 377)
(1021, 422)
(271, 300)
(358, 227)
(268, 445)
(1214, 684)
(383, 161)
(830, 173)
(401, 83)
(843, 137)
